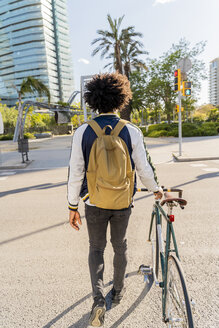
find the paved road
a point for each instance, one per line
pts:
(44, 274)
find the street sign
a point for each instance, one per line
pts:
(62, 117)
(1, 125)
(84, 80)
(184, 64)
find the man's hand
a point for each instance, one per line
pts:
(74, 218)
(158, 195)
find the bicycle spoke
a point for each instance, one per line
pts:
(176, 310)
(178, 300)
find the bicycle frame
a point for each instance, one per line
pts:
(158, 213)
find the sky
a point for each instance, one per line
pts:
(162, 23)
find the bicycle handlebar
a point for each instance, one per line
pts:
(165, 189)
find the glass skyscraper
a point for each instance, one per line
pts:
(34, 41)
(214, 82)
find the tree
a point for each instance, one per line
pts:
(131, 49)
(110, 41)
(130, 57)
(159, 86)
(29, 85)
(122, 48)
(138, 81)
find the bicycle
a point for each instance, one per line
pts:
(176, 304)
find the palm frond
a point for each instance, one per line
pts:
(110, 65)
(120, 19)
(32, 85)
(106, 34)
(112, 24)
(104, 52)
(111, 55)
(95, 51)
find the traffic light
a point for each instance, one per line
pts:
(177, 108)
(187, 88)
(177, 80)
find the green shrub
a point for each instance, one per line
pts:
(189, 126)
(173, 133)
(9, 117)
(29, 135)
(209, 125)
(209, 131)
(6, 137)
(157, 134)
(214, 115)
(188, 129)
(162, 126)
(143, 130)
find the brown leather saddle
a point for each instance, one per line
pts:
(169, 199)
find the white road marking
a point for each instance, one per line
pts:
(7, 173)
(211, 169)
(198, 165)
(3, 178)
(45, 168)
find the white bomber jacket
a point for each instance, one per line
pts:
(83, 140)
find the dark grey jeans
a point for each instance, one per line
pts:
(97, 222)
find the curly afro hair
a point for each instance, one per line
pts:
(108, 92)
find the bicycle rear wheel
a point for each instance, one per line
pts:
(178, 307)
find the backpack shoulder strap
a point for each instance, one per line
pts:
(119, 126)
(95, 126)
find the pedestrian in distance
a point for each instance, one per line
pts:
(106, 153)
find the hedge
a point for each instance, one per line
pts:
(11, 136)
(188, 130)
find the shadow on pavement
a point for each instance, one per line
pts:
(199, 177)
(46, 186)
(31, 233)
(36, 187)
(135, 304)
(83, 321)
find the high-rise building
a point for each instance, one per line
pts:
(34, 41)
(214, 82)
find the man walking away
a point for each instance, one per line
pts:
(105, 154)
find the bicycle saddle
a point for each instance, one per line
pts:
(170, 199)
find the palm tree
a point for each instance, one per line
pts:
(110, 41)
(30, 85)
(130, 53)
(122, 48)
(129, 56)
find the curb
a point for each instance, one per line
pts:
(15, 166)
(192, 159)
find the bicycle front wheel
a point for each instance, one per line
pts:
(155, 247)
(178, 307)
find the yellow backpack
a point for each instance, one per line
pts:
(110, 177)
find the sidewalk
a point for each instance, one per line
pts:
(160, 149)
(11, 159)
(193, 148)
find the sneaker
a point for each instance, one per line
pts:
(117, 296)
(98, 313)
